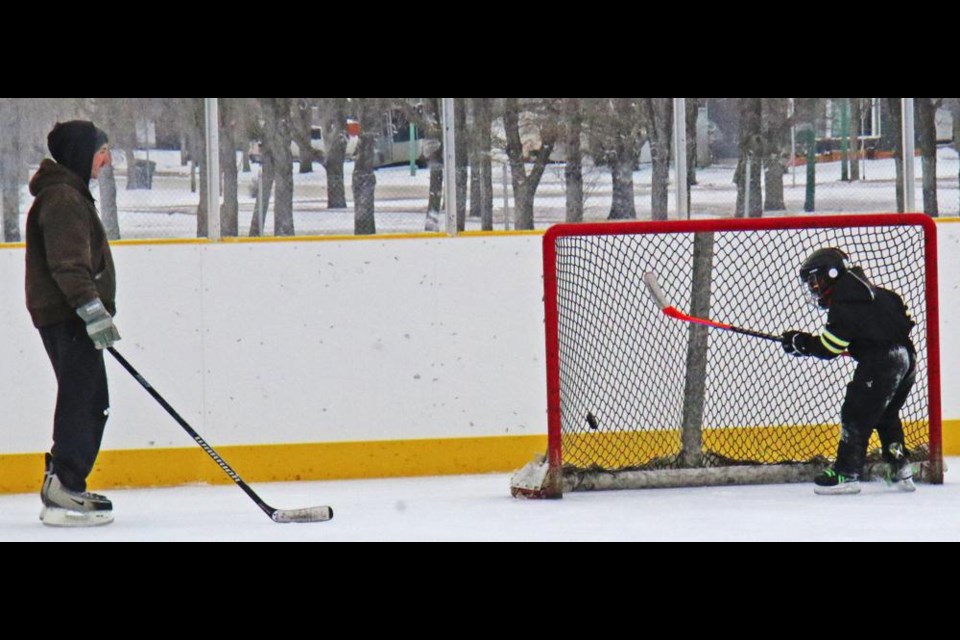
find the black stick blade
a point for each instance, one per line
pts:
(300, 516)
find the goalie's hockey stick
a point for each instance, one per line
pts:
(282, 516)
(650, 279)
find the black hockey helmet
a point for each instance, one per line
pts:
(820, 272)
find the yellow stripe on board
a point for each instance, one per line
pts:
(756, 444)
(759, 444)
(22, 473)
(951, 437)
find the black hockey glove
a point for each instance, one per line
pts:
(795, 343)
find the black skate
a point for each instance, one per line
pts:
(832, 483)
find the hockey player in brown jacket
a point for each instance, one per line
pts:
(71, 291)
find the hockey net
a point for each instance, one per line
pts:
(638, 399)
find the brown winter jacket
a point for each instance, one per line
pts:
(68, 257)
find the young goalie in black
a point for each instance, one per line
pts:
(872, 325)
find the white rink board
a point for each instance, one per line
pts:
(330, 341)
(948, 236)
(290, 342)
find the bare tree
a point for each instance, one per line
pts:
(894, 131)
(659, 113)
(483, 148)
(926, 110)
(333, 119)
(462, 151)
(622, 128)
(805, 117)
(573, 171)
(856, 123)
(364, 179)
(775, 130)
(190, 116)
(120, 118)
(277, 137)
(693, 114)
(230, 129)
(301, 130)
(108, 202)
(430, 125)
(751, 155)
(11, 167)
(525, 185)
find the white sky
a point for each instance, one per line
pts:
(479, 508)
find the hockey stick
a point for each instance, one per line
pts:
(282, 516)
(650, 279)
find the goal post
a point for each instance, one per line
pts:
(650, 390)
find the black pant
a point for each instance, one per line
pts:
(83, 402)
(876, 394)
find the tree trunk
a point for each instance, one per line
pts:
(926, 110)
(484, 122)
(133, 181)
(432, 129)
(524, 185)
(461, 162)
(203, 226)
(660, 111)
(573, 171)
(751, 148)
(694, 393)
(264, 187)
(776, 142)
(896, 123)
(693, 112)
(335, 136)
(624, 161)
(804, 124)
(364, 178)
(277, 137)
(301, 123)
(476, 193)
(108, 202)
(856, 122)
(11, 170)
(230, 210)
(623, 205)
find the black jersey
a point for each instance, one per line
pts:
(862, 319)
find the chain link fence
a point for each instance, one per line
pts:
(345, 166)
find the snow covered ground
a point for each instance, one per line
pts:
(169, 209)
(479, 508)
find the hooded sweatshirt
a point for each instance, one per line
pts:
(68, 258)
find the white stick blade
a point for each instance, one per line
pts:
(650, 279)
(313, 514)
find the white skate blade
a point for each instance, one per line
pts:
(906, 486)
(845, 489)
(54, 517)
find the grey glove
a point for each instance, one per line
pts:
(100, 325)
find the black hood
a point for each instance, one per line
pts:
(52, 174)
(73, 145)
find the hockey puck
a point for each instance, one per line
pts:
(592, 421)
